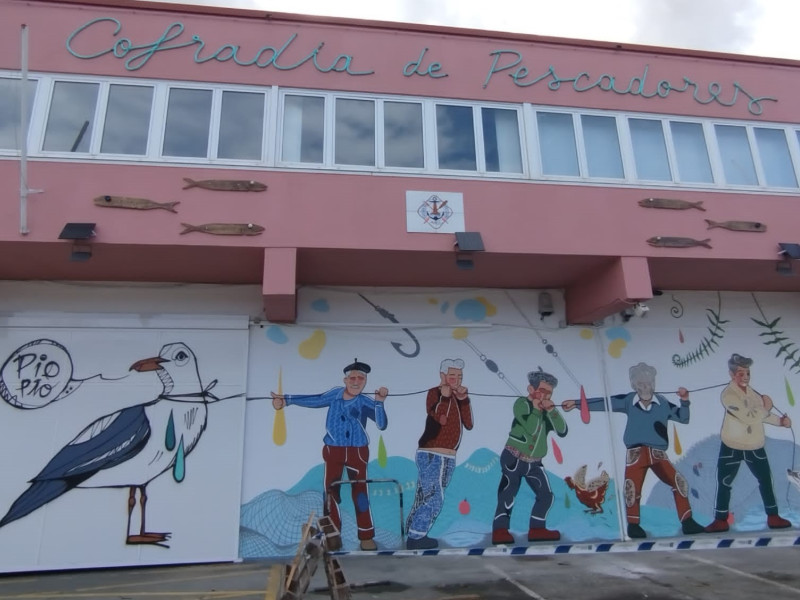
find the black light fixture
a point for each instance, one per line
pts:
(787, 253)
(79, 233)
(467, 242)
(789, 250)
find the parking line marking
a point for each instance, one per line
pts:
(514, 582)
(225, 575)
(705, 561)
(276, 572)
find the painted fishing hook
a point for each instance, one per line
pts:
(390, 317)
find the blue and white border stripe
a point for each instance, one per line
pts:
(663, 545)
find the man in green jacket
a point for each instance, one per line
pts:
(534, 416)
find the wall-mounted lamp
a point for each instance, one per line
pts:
(79, 233)
(787, 253)
(467, 242)
(545, 304)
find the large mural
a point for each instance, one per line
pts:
(470, 418)
(118, 444)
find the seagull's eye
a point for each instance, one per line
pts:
(180, 358)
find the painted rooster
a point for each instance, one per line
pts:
(591, 493)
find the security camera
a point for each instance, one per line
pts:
(640, 309)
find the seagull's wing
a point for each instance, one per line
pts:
(107, 442)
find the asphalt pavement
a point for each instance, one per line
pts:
(732, 574)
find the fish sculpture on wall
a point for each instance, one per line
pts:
(226, 185)
(134, 203)
(660, 241)
(224, 228)
(737, 225)
(671, 203)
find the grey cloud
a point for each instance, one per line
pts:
(727, 26)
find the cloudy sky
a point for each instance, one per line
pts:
(757, 27)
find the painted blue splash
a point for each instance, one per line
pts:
(363, 502)
(320, 305)
(444, 307)
(618, 333)
(275, 333)
(470, 310)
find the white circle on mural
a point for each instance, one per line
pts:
(37, 374)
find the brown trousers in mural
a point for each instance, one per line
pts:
(639, 460)
(355, 459)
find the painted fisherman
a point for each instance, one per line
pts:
(646, 438)
(448, 414)
(346, 444)
(742, 439)
(534, 417)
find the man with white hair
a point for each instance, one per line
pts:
(742, 439)
(448, 413)
(646, 439)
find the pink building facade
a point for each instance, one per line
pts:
(249, 156)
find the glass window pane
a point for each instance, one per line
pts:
(402, 134)
(455, 134)
(69, 123)
(10, 121)
(557, 144)
(775, 158)
(601, 142)
(649, 149)
(737, 159)
(241, 125)
(188, 121)
(690, 152)
(501, 140)
(303, 129)
(354, 132)
(127, 119)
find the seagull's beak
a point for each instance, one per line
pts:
(148, 364)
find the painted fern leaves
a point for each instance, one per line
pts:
(708, 344)
(775, 337)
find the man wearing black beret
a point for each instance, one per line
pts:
(346, 442)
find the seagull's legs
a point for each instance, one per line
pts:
(144, 536)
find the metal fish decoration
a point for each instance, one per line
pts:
(226, 185)
(737, 225)
(224, 228)
(671, 203)
(677, 242)
(135, 203)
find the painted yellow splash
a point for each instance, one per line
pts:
(382, 458)
(491, 309)
(676, 440)
(433, 301)
(587, 334)
(279, 425)
(616, 346)
(312, 347)
(460, 333)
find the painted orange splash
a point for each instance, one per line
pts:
(312, 347)
(584, 407)
(279, 424)
(676, 440)
(556, 451)
(491, 309)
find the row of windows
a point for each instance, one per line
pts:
(173, 122)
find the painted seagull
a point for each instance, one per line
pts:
(131, 447)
